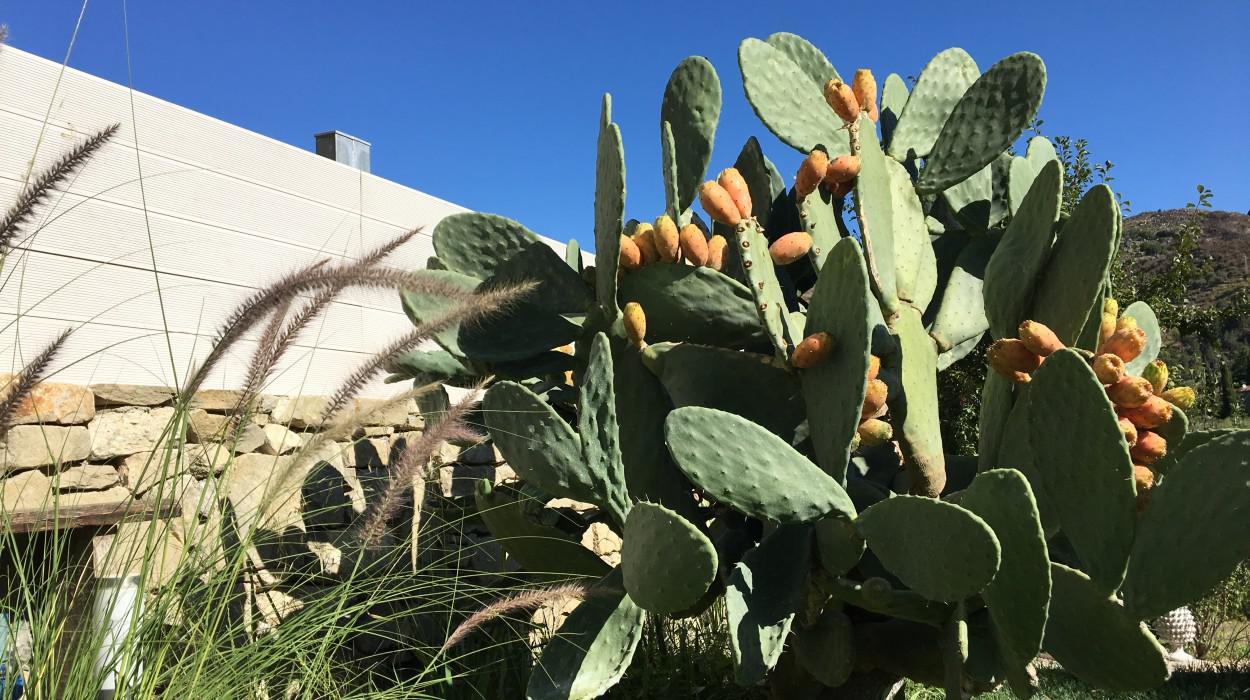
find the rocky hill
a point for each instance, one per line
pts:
(1224, 241)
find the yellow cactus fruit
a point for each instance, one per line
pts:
(841, 98)
(736, 186)
(1150, 415)
(1111, 306)
(1110, 310)
(811, 172)
(873, 432)
(874, 367)
(636, 325)
(718, 204)
(812, 350)
(1143, 478)
(1108, 368)
(631, 257)
(841, 170)
(1157, 374)
(1182, 397)
(874, 399)
(643, 238)
(1039, 338)
(1129, 430)
(790, 247)
(1149, 448)
(693, 245)
(1130, 392)
(1011, 359)
(865, 88)
(1125, 342)
(667, 244)
(716, 252)
(1125, 322)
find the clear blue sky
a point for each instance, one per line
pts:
(494, 105)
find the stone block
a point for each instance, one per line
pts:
(279, 439)
(88, 477)
(51, 403)
(130, 395)
(28, 446)
(218, 400)
(28, 490)
(122, 432)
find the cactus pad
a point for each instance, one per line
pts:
(1012, 272)
(894, 96)
(1020, 176)
(695, 304)
(764, 593)
(426, 307)
(692, 102)
(1141, 312)
(826, 649)
(770, 303)
(914, 262)
(609, 208)
(1040, 151)
(921, 437)
(763, 182)
(1081, 258)
(961, 316)
(874, 209)
(820, 220)
(742, 465)
(667, 563)
(476, 244)
(787, 100)
(969, 200)
(838, 545)
(538, 549)
(596, 422)
(806, 56)
(943, 81)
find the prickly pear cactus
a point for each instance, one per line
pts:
(751, 402)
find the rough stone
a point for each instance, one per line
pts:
(28, 490)
(374, 431)
(584, 509)
(383, 411)
(606, 544)
(299, 411)
(28, 446)
(149, 547)
(143, 471)
(505, 474)
(216, 399)
(121, 432)
(250, 439)
(51, 403)
(203, 426)
(130, 395)
(279, 439)
(116, 495)
(307, 412)
(209, 459)
(331, 557)
(88, 477)
(447, 453)
(265, 491)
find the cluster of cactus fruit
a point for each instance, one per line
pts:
(761, 426)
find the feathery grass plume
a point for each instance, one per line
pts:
(525, 600)
(24, 383)
(414, 458)
(39, 190)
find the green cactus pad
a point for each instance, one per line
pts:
(938, 549)
(1012, 272)
(917, 411)
(961, 316)
(742, 465)
(1192, 535)
(1019, 179)
(1179, 448)
(425, 307)
(838, 545)
(539, 444)
(538, 549)
(668, 163)
(1040, 151)
(694, 304)
(762, 179)
(787, 100)
(1000, 173)
(834, 390)
(943, 81)
(1018, 454)
(969, 200)
(764, 593)
(1079, 261)
(1147, 321)
(596, 423)
(1083, 464)
(1095, 639)
(806, 56)
(997, 399)
(668, 564)
(1175, 429)
(476, 244)
(770, 303)
(593, 647)
(894, 96)
(428, 364)
(1020, 592)
(827, 649)
(958, 352)
(692, 102)
(819, 218)
(743, 383)
(989, 117)
(874, 210)
(609, 209)
(914, 262)
(879, 596)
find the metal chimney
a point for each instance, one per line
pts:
(344, 148)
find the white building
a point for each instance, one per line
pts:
(218, 212)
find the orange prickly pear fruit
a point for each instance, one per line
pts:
(811, 172)
(1129, 430)
(1182, 397)
(874, 367)
(1039, 338)
(666, 238)
(1150, 415)
(644, 238)
(568, 374)
(873, 432)
(842, 99)
(865, 88)
(1010, 358)
(1108, 368)
(718, 204)
(812, 350)
(631, 257)
(736, 186)
(874, 399)
(636, 325)
(716, 252)
(1130, 391)
(693, 245)
(1157, 374)
(1125, 342)
(1149, 448)
(1144, 480)
(841, 189)
(841, 170)
(790, 247)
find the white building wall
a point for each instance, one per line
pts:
(222, 210)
